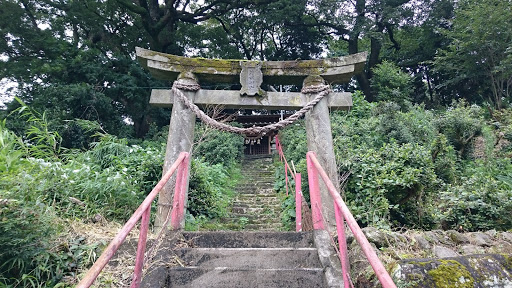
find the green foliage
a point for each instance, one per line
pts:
(288, 211)
(391, 84)
(26, 233)
(391, 184)
(461, 123)
(479, 59)
(481, 199)
(12, 149)
(414, 126)
(444, 158)
(217, 147)
(400, 161)
(209, 189)
(43, 142)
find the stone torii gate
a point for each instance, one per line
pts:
(308, 73)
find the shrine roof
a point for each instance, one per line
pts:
(334, 70)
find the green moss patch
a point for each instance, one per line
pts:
(451, 274)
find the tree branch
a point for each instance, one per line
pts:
(142, 10)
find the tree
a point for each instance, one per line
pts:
(479, 58)
(362, 25)
(161, 21)
(391, 84)
(76, 58)
(420, 39)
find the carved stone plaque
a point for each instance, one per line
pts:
(251, 78)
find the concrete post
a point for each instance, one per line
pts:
(319, 137)
(180, 139)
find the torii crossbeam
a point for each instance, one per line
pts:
(251, 74)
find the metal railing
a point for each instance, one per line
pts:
(144, 212)
(298, 182)
(342, 214)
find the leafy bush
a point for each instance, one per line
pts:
(461, 123)
(391, 84)
(393, 183)
(209, 189)
(481, 199)
(414, 126)
(444, 158)
(217, 147)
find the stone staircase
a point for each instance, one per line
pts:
(262, 258)
(256, 206)
(238, 259)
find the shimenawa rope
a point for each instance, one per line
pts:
(322, 90)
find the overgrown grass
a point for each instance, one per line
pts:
(43, 188)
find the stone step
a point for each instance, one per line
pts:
(253, 205)
(251, 196)
(264, 183)
(257, 191)
(270, 177)
(253, 258)
(221, 277)
(263, 227)
(252, 220)
(238, 239)
(256, 210)
(258, 202)
(258, 216)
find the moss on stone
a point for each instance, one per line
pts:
(451, 273)
(508, 261)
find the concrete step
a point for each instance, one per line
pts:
(188, 277)
(247, 196)
(255, 190)
(263, 227)
(270, 221)
(238, 239)
(256, 183)
(250, 258)
(237, 259)
(251, 216)
(258, 202)
(253, 205)
(276, 209)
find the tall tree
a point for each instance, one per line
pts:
(420, 40)
(369, 22)
(76, 58)
(479, 58)
(161, 20)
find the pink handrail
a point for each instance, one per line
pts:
(343, 213)
(143, 211)
(298, 202)
(298, 184)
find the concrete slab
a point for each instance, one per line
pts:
(253, 258)
(236, 239)
(185, 277)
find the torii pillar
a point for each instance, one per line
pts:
(300, 72)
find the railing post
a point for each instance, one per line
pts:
(314, 193)
(141, 248)
(342, 243)
(286, 177)
(298, 202)
(178, 207)
(111, 249)
(380, 271)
